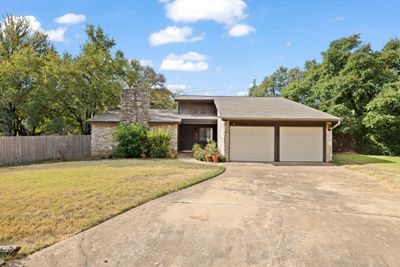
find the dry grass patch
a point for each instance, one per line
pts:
(386, 168)
(45, 203)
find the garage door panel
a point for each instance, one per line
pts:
(252, 143)
(301, 143)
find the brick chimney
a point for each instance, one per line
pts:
(135, 105)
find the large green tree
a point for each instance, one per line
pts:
(90, 83)
(351, 81)
(383, 120)
(23, 94)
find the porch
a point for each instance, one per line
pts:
(200, 133)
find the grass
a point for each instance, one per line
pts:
(386, 168)
(45, 203)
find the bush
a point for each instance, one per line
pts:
(211, 148)
(200, 153)
(131, 140)
(158, 143)
(196, 147)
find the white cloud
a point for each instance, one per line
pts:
(56, 35)
(218, 68)
(190, 61)
(173, 34)
(242, 93)
(337, 19)
(227, 12)
(240, 30)
(288, 44)
(70, 18)
(178, 87)
(146, 62)
(35, 24)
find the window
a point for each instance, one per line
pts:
(205, 134)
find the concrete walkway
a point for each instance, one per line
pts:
(252, 215)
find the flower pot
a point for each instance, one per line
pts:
(172, 155)
(143, 155)
(208, 158)
(216, 158)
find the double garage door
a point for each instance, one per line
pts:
(260, 144)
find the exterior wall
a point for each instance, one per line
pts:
(204, 108)
(172, 129)
(135, 105)
(329, 147)
(223, 138)
(102, 143)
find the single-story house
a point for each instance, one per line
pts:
(259, 129)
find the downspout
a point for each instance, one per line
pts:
(333, 127)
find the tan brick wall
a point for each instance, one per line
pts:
(223, 138)
(329, 148)
(172, 129)
(102, 143)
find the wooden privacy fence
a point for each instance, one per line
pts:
(15, 150)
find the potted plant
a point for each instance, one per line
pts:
(216, 157)
(172, 154)
(208, 158)
(143, 155)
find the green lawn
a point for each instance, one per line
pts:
(386, 168)
(45, 203)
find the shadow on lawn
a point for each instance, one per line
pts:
(357, 159)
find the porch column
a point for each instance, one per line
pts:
(223, 138)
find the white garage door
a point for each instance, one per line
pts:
(252, 143)
(301, 143)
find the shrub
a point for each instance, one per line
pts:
(158, 143)
(196, 147)
(131, 140)
(211, 147)
(200, 153)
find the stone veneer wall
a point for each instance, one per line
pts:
(223, 138)
(135, 105)
(102, 142)
(329, 148)
(172, 129)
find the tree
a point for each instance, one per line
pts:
(274, 84)
(350, 76)
(391, 55)
(23, 96)
(255, 90)
(89, 83)
(134, 74)
(383, 120)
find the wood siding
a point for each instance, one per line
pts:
(16, 150)
(194, 108)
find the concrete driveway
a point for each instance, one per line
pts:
(252, 215)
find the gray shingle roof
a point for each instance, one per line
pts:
(268, 108)
(235, 108)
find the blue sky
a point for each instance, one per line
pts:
(214, 47)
